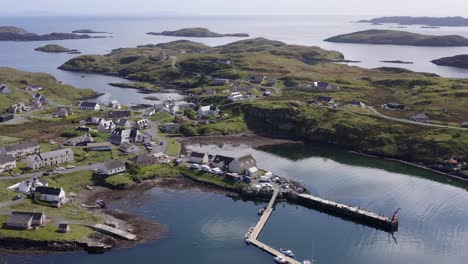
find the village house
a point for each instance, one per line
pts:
(119, 114)
(17, 108)
(257, 79)
(142, 124)
(4, 89)
(170, 127)
(79, 141)
(325, 87)
(220, 81)
(209, 110)
(198, 157)
(92, 106)
(325, 99)
(222, 161)
(120, 136)
(224, 61)
(92, 120)
(138, 137)
(144, 160)
(159, 156)
(244, 165)
(28, 186)
(113, 167)
(7, 162)
(357, 104)
(6, 117)
(99, 146)
(421, 118)
(272, 81)
(64, 228)
(122, 122)
(106, 126)
(50, 158)
(49, 194)
(237, 96)
(25, 220)
(129, 148)
(63, 112)
(465, 124)
(394, 106)
(38, 101)
(22, 149)
(169, 107)
(34, 88)
(115, 104)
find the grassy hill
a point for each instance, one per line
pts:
(52, 48)
(55, 91)
(460, 61)
(197, 32)
(395, 37)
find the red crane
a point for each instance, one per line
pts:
(394, 216)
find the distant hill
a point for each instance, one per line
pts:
(197, 32)
(394, 37)
(8, 33)
(87, 31)
(52, 48)
(427, 21)
(460, 61)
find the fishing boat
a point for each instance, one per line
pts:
(287, 252)
(261, 211)
(306, 261)
(280, 259)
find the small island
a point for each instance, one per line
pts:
(397, 61)
(87, 31)
(426, 21)
(395, 37)
(53, 48)
(459, 61)
(197, 32)
(8, 33)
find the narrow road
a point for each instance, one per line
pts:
(412, 122)
(154, 132)
(39, 174)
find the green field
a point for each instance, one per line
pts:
(5, 140)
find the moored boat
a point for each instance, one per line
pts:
(287, 252)
(280, 259)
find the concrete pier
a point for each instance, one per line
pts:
(351, 212)
(114, 232)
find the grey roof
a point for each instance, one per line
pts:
(324, 98)
(6, 158)
(56, 153)
(322, 84)
(226, 160)
(34, 215)
(197, 154)
(48, 190)
(120, 122)
(20, 218)
(89, 104)
(420, 116)
(143, 159)
(247, 161)
(23, 145)
(119, 114)
(114, 164)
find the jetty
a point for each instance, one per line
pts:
(259, 227)
(351, 212)
(114, 232)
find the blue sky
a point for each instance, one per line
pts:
(234, 7)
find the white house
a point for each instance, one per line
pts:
(115, 104)
(106, 126)
(357, 104)
(120, 136)
(142, 124)
(199, 158)
(49, 194)
(237, 96)
(28, 186)
(4, 89)
(34, 88)
(90, 106)
(209, 110)
(243, 164)
(50, 158)
(7, 162)
(113, 167)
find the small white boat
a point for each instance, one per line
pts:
(280, 259)
(251, 229)
(247, 240)
(261, 211)
(306, 261)
(287, 252)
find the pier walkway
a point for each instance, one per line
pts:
(259, 227)
(114, 231)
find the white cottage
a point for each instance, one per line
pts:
(113, 167)
(49, 194)
(51, 158)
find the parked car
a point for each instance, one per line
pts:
(217, 171)
(46, 173)
(206, 168)
(60, 168)
(70, 167)
(178, 161)
(17, 197)
(57, 172)
(195, 166)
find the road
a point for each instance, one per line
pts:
(154, 132)
(412, 122)
(39, 174)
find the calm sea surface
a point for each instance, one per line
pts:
(209, 228)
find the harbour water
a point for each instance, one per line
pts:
(208, 228)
